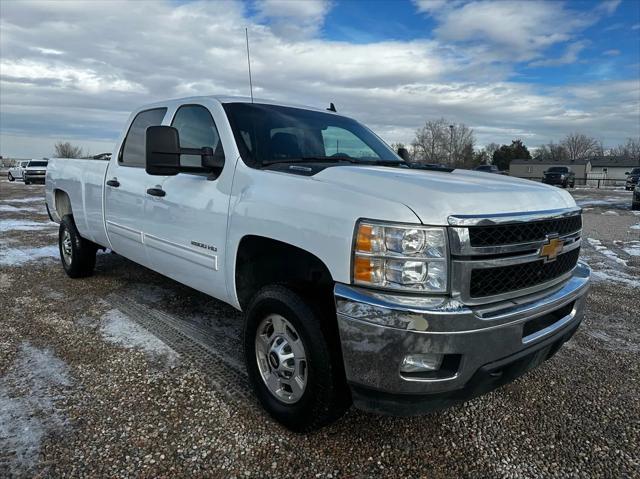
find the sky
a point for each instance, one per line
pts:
(533, 70)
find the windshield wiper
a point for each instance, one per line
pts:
(430, 166)
(302, 159)
(335, 159)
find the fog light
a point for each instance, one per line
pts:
(418, 363)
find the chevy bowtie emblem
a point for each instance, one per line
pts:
(551, 249)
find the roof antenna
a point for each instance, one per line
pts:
(332, 107)
(246, 33)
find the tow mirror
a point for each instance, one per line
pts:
(404, 154)
(163, 151)
(163, 154)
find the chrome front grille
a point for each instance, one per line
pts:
(501, 257)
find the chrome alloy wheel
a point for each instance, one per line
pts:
(67, 250)
(281, 358)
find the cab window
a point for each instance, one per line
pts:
(133, 150)
(196, 128)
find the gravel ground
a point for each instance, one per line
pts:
(128, 373)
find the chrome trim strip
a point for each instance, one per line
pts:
(460, 244)
(551, 328)
(503, 218)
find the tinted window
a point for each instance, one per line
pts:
(196, 129)
(133, 151)
(635, 171)
(38, 163)
(268, 133)
(559, 169)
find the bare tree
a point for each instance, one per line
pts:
(440, 142)
(579, 146)
(491, 149)
(67, 150)
(631, 149)
(552, 152)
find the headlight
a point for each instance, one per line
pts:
(412, 258)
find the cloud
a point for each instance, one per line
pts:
(611, 53)
(635, 26)
(173, 50)
(512, 29)
(297, 19)
(608, 6)
(570, 56)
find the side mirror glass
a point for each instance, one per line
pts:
(162, 151)
(404, 154)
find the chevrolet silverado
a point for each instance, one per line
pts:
(363, 279)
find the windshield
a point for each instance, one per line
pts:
(635, 171)
(37, 163)
(558, 169)
(268, 134)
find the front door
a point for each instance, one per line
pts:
(126, 190)
(186, 230)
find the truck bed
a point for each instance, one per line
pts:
(83, 180)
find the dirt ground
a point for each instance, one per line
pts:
(128, 373)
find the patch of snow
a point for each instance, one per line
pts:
(632, 248)
(20, 256)
(597, 244)
(611, 213)
(609, 276)
(119, 329)
(25, 225)
(15, 209)
(29, 391)
(30, 199)
(636, 227)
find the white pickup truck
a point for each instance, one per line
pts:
(363, 279)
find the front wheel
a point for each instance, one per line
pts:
(10, 177)
(293, 367)
(77, 254)
(27, 182)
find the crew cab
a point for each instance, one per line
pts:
(16, 172)
(561, 176)
(362, 279)
(35, 171)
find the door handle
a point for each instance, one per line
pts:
(115, 183)
(156, 192)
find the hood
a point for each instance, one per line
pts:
(435, 195)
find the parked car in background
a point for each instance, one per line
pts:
(17, 172)
(633, 178)
(635, 202)
(362, 278)
(560, 176)
(35, 171)
(490, 169)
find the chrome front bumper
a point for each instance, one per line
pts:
(378, 330)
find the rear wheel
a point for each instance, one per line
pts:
(293, 367)
(78, 255)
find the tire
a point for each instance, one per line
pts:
(10, 177)
(325, 396)
(78, 255)
(27, 182)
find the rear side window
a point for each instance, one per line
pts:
(196, 129)
(133, 151)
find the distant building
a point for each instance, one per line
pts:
(613, 167)
(534, 168)
(597, 167)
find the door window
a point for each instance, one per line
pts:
(133, 150)
(196, 128)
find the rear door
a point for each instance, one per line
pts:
(126, 190)
(186, 232)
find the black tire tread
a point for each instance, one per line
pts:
(84, 251)
(329, 397)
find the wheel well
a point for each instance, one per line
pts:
(62, 203)
(263, 261)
